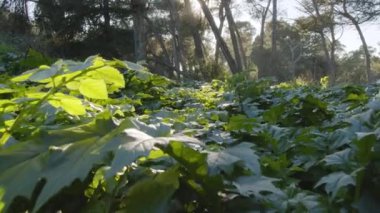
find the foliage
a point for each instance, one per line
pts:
(109, 136)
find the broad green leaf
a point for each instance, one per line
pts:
(110, 75)
(73, 106)
(152, 195)
(24, 76)
(364, 147)
(274, 114)
(135, 67)
(224, 160)
(240, 122)
(335, 181)
(158, 130)
(73, 85)
(140, 145)
(338, 158)
(255, 185)
(58, 157)
(93, 88)
(2, 204)
(70, 104)
(45, 73)
(192, 160)
(310, 202)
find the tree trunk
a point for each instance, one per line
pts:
(262, 37)
(243, 54)
(330, 66)
(234, 39)
(176, 25)
(333, 42)
(106, 15)
(161, 42)
(139, 11)
(362, 38)
(223, 46)
(198, 52)
(274, 28)
(222, 18)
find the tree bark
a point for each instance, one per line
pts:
(139, 11)
(262, 37)
(161, 42)
(243, 54)
(106, 15)
(222, 18)
(223, 46)
(330, 66)
(274, 28)
(198, 50)
(232, 29)
(362, 38)
(178, 41)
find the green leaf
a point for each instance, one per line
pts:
(338, 158)
(73, 106)
(152, 194)
(310, 202)
(335, 181)
(364, 147)
(110, 75)
(60, 159)
(93, 88)
(240, 122)
(140, 145)
(194, 161)
(274, 114)
(45, 73)
(55, 157)
(70, 104)
(135, 67)
(255, 185)
(224, 160)
(24, 76)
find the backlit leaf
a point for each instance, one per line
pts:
(93, 88)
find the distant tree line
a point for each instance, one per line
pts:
(174, 39)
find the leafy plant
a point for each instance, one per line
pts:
(109, 136)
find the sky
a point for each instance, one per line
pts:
(348, 36)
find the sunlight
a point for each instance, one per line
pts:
(196, 6)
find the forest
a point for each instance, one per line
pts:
(189, 106)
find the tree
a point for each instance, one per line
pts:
(139, 12)
(233, 34)
(358, 12)
(274, 27)
(193, 25)
(258, 10)
(321, 18)
(223, 46)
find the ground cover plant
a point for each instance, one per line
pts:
(108, 136)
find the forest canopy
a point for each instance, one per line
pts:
(198, 39)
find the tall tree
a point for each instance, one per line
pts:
(177, 40)
(274, 27)
(106, 16)
(319, 22)
(223, 46)
(139, 12)
(260, 11)
(233, 34)
(193, 24)
(222, 18)
(358, 12)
